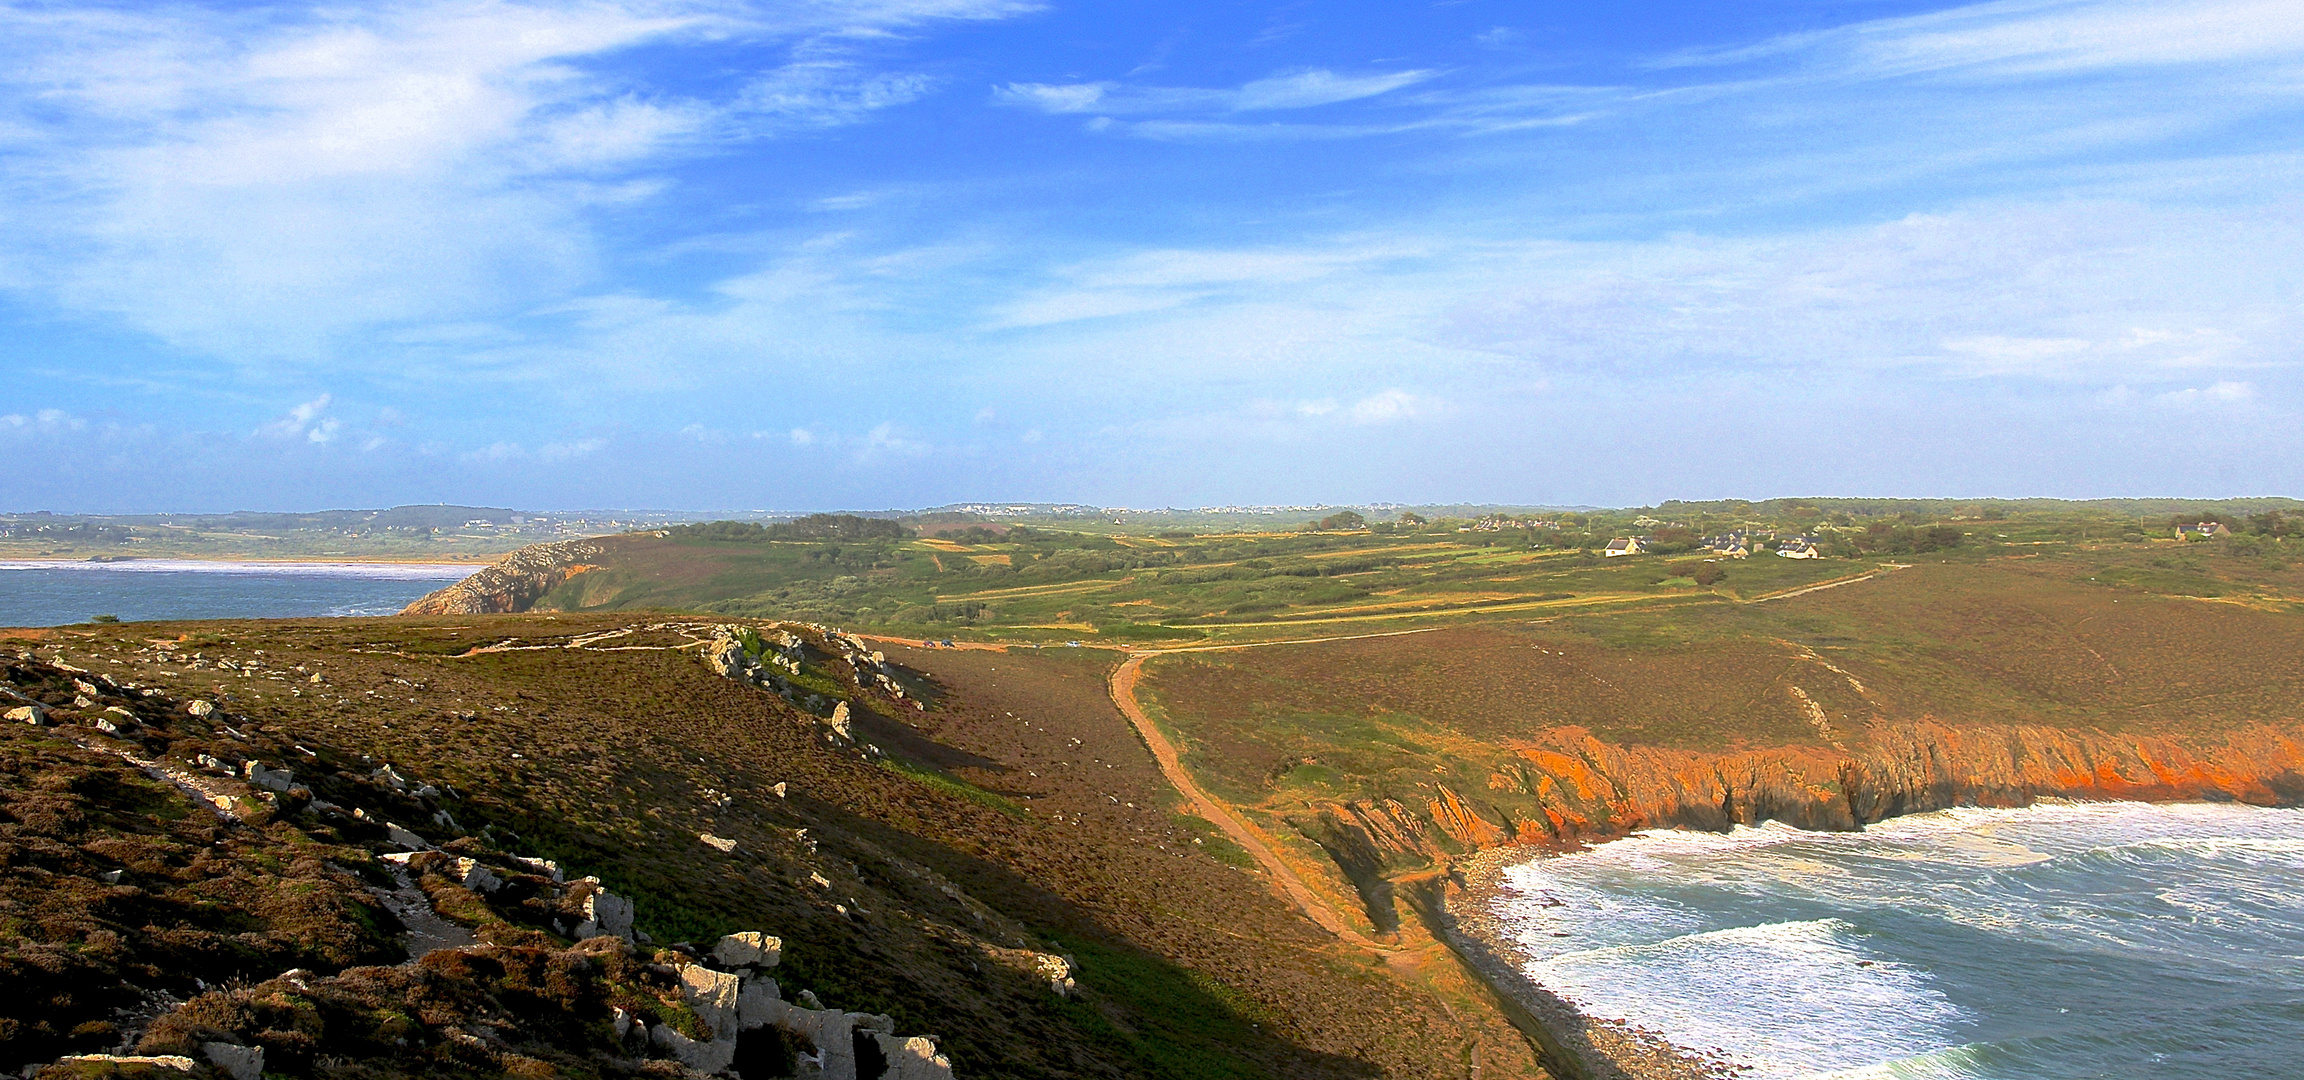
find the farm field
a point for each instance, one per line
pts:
(1122, 589)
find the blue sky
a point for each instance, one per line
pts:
(723, 255)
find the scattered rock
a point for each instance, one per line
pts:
(750, 948)
(476, 877)
(720, 844)
(726, 657)
(712, 994)
(282, 779)
(841, 724)
(28, 714)
(1057, 970)
(237, 1062)
(913, 1058)
(704, 1057)
(157, 1061)
(403, 838)
(605, 915)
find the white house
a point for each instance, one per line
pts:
(1799, 547)
(1625, 545)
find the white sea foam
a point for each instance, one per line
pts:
(1785, 999)
(1826, 955)
(377, 571)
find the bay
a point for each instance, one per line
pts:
(59, 593)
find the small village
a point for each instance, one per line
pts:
(1734, 544)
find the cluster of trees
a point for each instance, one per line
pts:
(2270, 523)
(1889, 538)
(1702, 572)
(973, 534)
(812, 527)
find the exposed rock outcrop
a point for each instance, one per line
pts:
(514, 583)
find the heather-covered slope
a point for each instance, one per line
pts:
(948, 869)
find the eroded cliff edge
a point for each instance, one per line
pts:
(1570, 787)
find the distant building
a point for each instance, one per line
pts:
(2204, 530)
(1734, 544)
(1625, 545)
(1799, 547)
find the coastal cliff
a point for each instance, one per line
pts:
(513, 583)
(1570, 787)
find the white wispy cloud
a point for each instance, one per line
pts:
(1288, 90)
(264, 185)
(305, 421)
(1157, 280)
(2080, 292)
(2036, 37)
(1235, 115)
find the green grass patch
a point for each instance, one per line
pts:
(1209, 837)
(953, 786)
(1183, 1024)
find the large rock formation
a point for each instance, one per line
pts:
(514, 583)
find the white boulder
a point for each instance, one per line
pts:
(713, 997)
(606, 915)
(750, 948)
(704, 1057)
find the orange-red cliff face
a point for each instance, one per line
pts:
(1570, 787)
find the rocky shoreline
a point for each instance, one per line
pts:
(1576, 1045)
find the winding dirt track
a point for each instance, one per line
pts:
(1124, 680)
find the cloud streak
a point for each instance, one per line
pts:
(2035, 37)
(266, 186)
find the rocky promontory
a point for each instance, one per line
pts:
(514, 583)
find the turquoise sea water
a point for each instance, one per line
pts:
(2064, 941)
(54, 593)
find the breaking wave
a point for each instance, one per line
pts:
(2064, 940)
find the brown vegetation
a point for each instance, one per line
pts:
(914, 875)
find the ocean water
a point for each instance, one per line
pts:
(56, 593)
(2063, 941)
